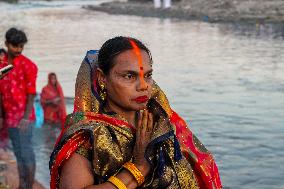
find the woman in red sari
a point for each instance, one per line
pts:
(123, 133)
(52, 101)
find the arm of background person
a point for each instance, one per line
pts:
(30, 77)
(29, 106)
(1, 112)
(1, 109)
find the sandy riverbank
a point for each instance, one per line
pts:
(264, 11)
(8, 172)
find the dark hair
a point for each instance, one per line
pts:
(115, 46)
(52, 74)
(15, 36)
(2, 51)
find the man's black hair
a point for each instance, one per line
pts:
(16, 37)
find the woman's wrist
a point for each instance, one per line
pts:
(25, 119)
(27, 115)
(126, 177)
(143, 169)
(136, 173)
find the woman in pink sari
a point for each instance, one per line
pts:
(52, 101)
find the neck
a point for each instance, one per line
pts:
(10, 58)
(129, 115)
(53, 85)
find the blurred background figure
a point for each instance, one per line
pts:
(166, 4)
(2, 55)
(3, 131)
(52, 101)
(17, 92)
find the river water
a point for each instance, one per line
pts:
(226, 80)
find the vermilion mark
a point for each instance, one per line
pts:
(140, 64)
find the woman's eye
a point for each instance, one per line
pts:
(129, 76)
(148, 76)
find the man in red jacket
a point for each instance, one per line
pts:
(17, 92)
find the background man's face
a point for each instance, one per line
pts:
(14, 50)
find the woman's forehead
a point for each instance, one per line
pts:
(128, 60)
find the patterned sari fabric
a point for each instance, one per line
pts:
(177, 157)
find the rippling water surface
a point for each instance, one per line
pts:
(227, 80)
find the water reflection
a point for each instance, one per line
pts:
(260, 30)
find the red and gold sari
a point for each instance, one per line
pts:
(53, 113)
(178, 159)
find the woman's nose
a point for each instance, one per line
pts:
(142, 85)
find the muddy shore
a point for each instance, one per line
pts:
(211, 11)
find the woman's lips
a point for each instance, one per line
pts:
(141, 99)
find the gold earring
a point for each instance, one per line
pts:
(103, 92)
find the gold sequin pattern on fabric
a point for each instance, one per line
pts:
(112, 146)
(84, 99)
(176, 174)
(85, 150)
(199, 145)
(160, 97)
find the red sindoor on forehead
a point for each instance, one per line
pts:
(139, 58)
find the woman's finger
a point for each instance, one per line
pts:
(150, 123)
(144, 122)
(139, 125)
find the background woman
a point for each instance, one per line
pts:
(52, 101)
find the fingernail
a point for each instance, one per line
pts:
(140, 113)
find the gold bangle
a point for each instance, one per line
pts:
(135, 172)
(116, 182)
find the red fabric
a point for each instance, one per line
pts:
(205, 167)
(67, 150)
(15, 87)
(53, 113)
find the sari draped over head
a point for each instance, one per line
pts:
(53, 113)
(177, 158)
